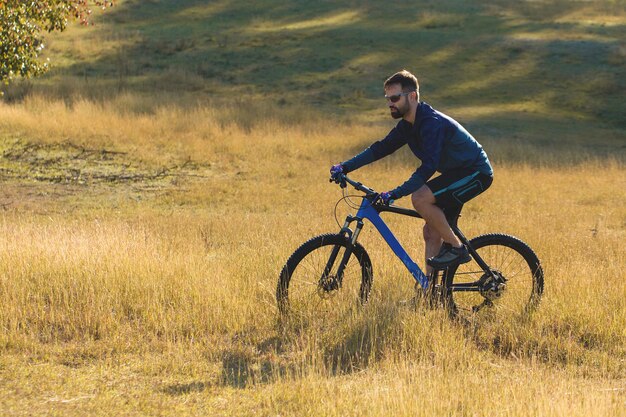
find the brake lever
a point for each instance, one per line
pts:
(342, 182)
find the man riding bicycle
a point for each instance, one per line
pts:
(442, 145)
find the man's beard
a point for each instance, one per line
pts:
(395, 113)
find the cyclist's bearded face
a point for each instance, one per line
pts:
(400, 107)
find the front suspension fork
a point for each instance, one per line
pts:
(352, 237)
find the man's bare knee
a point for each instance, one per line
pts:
(417, 200)
(422, 197)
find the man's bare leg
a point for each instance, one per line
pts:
(424, 202)
(433, 242)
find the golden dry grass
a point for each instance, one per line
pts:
(155, 296)
(155, 182)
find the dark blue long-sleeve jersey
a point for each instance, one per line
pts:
(438, 140)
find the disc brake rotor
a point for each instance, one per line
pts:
(327, 286)
(492, 285)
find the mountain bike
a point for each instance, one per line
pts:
(333, 272)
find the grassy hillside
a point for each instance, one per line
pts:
(154, 183)
(546, 73)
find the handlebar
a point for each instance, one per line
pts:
(371, 195)
(343, 179)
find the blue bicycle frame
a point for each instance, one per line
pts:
(367, 211)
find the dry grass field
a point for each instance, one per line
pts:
(138, 271)
(142, 233)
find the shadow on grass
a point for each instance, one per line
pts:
(336, 55)
(560, 342)
(340, 346)
(298, 349)
(242, 365)
(360, 348)
(254, 364)
(183, 389)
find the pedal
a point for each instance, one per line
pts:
(486, 303)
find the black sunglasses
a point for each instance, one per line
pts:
(396, 97)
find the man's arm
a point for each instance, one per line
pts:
(379, 149)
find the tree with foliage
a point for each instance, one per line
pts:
(23, 24)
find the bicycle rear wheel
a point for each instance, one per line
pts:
(309, 284)
(517, 286)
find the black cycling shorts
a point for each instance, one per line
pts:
(452, 189)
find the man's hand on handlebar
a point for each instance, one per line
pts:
(338, 175)
(335, 172)
(385, 198)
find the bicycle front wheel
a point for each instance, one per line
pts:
(512, 288)
(319, 280)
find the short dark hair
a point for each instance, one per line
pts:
(407, 80)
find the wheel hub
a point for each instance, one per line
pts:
(493, 286)
(327, 285)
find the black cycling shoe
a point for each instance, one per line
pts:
(444, 248)
(449, 256)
